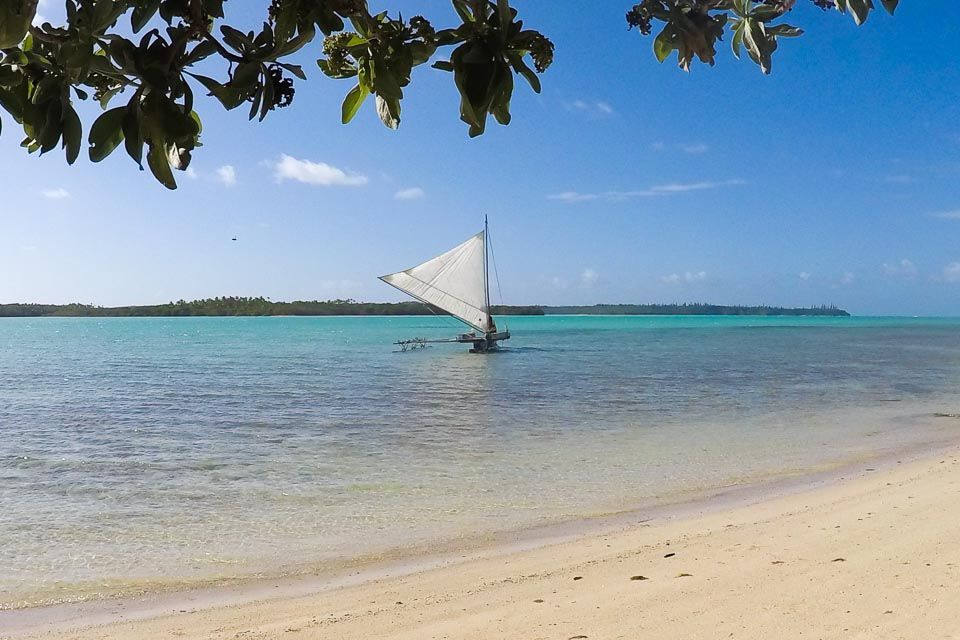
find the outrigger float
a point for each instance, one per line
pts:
(458, 283)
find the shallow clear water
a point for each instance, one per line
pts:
(138, 453)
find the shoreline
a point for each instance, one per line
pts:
(490, 549)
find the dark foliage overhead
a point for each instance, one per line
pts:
(143, 61)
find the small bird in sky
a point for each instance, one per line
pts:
(234, 239)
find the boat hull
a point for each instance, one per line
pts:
(485, 343)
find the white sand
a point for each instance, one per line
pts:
(876, 555)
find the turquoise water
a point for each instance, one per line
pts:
(144, 453)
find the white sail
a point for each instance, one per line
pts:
(454, 281)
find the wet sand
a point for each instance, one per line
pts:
(874, 554)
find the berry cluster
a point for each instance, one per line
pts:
(282, 87)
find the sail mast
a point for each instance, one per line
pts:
(486, 272)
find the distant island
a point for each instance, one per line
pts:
(242, 306)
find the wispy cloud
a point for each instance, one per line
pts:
(847, 278)
(804, 275)
(573, 196)
(694, 148)
(227, 175)
(588, 278)
(652, 192)
(55, 194)
(951, 273)
(591, 107)
(411, 193)
(902, 269)
(315, 173)
(947, 215)
(191, 173)
(695, 186)
(689, 277)
(604, 107)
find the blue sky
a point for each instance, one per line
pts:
(835, 180)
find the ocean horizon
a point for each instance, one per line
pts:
(142, 454)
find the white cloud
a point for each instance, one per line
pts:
(947, 215)
(227, 175)
(658, 146)
(903, 269)
(695, 186)
(411, 193)
(558, 282)
(804, 275)
(604, 107)
(652, 192)
(951, 272)
(695, 148)
(573, 196)
(689, 277)
(316, 173)
(191, 173)
(847, 278)
(55, 194)
(588, 277)
(592, 107)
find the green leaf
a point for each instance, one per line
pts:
(663, 43)
(389, 111)
(758, 44)
(103, 13)
(204, 49)
(247, 74)
(385, 82)
(859, 9)
(72, 133)
(49, 134)
(890, 5)
(295, 69)
(521, 67)
(142, 13)
(160, 165)
(255, 101)
(15, 19)
(420, 52)
(737, 41)
(443, 65)
(505, 16)
(351, 104)
(462, 8)
(500, 106)
(46, 89)
(132, 134)
(785, 31)
(229, 97)
(268, 97)
(293, 45)
(236, 39)
(106, 134)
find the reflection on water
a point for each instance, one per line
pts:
(139, 451)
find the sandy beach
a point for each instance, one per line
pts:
(872, 554)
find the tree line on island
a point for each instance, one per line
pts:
(259, 306)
